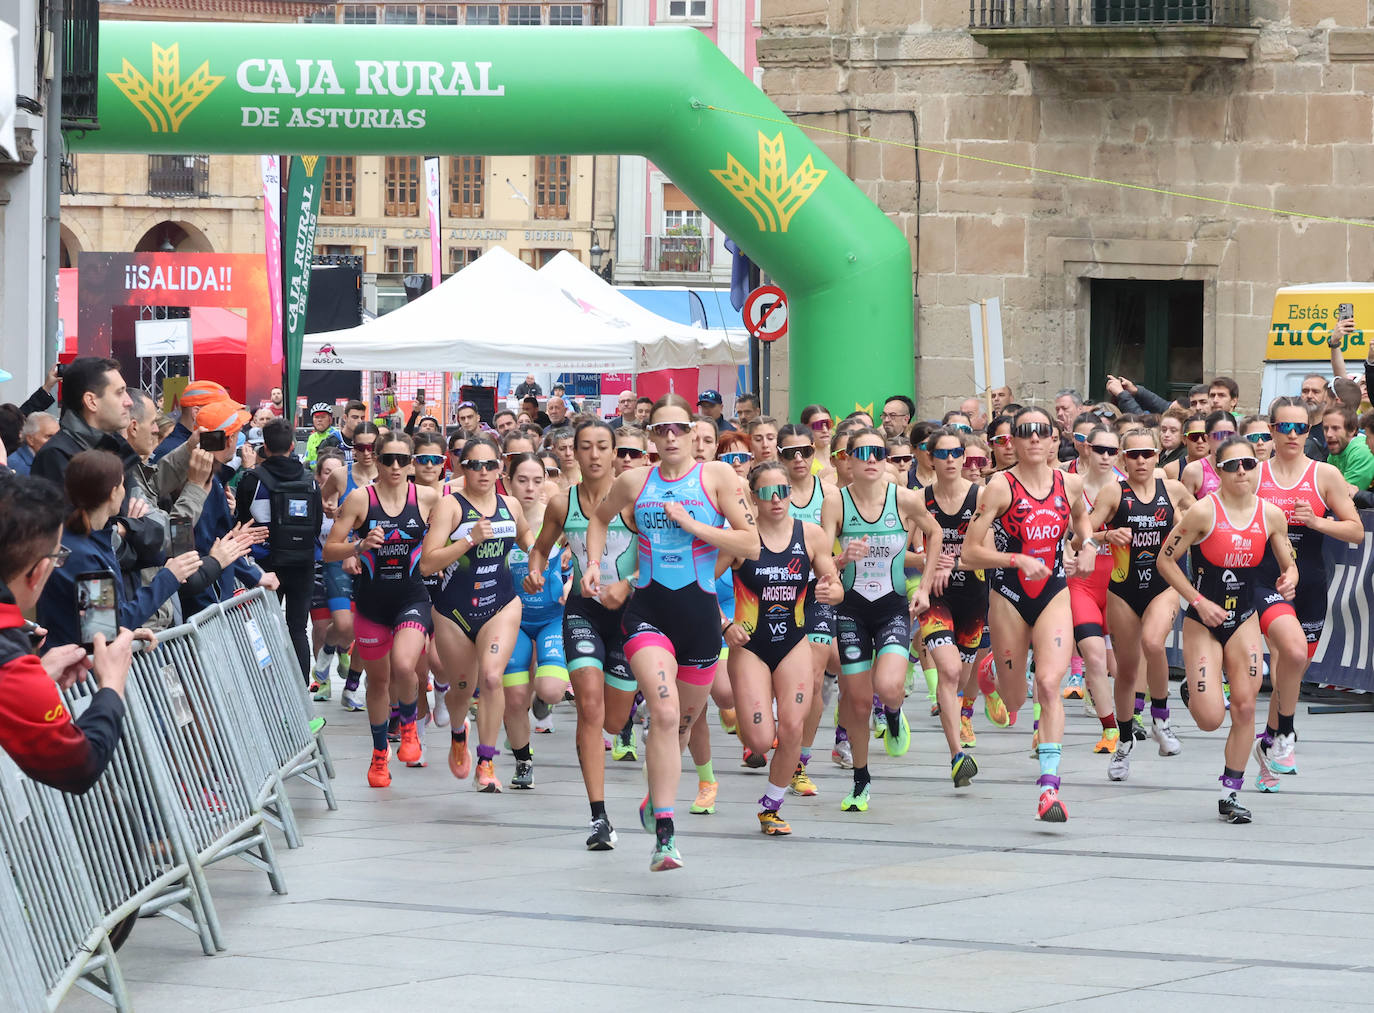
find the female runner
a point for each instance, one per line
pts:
(603, 688)
(1030, 509)
(672, 637)
(392, 621)
(631, 450)
(429, 474)
(815, 501)
(770, 659)
(874, 620)
(1138, 512)
(819, 420)
(476, 612)
(952, 627)
(537, 667)
(332, 626)
(1200, 477)
(1228, 532)
(1003, 449)
(1194, 445)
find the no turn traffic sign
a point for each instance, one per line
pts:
(765, 313)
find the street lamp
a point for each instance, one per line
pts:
(596, 252)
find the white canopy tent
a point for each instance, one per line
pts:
(711, 348)
(499, 314)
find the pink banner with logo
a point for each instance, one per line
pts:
(432, 192)
(271, 210)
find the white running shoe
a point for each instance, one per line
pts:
(1165, 737)
(842, 755)
(1120, 766)
(1283, 757)
(353, 699)
(325, 665)
(544, 725)
(439, 712)
(1089, 708)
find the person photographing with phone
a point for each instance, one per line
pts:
(36, 729)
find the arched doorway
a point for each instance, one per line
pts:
(170, 237)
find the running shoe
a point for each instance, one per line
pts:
(411, 752)
(1073, 687)
(393, 728)
(544, 725)
(460, 757)
(646, 815)
(324, 664)
(705, 802)
(729, 721)
(1035, 745)
(344, 664)
(352, 700)
(935, 710)
(987, 682)
(842, 755)
(524, 775)
(379, 772)
(623, 746)
(773, 824)
(439, 712)
(1283, 757)
(1266, 780)
(485, 779)
(665, 856)
(1109, 741)
(1165, 737)
(1119, 768)
(829, 687)
(878, 724)
(897, 745)
(1138, 731)
(963, 770)
(320, 691)
(753, 760)
(1230, 810)
(967, 740)
(1089, 708)
(802, 783)
(857, 800)
(602, 837)
(539, 709)
(1050, 808)
(909, 686)
(996, 711)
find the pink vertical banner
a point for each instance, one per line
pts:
(271, 210)
(432, 194)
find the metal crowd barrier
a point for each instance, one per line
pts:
(217, 720)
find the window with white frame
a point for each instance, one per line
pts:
(688, 10)
(683, 220)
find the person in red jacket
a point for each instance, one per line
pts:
(36, 729)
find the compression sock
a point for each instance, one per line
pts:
(894, 720)
(772, 797)
(1049, 753)
(1285, 724)
(379, 740)
(1231, 780)
(1124, 729)
(522, 753)
(932, 680)
(599, 811)
(407, 711)
(1139, 702)
(1159, 708)
(706, 772)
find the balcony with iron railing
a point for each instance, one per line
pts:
(677, 255)
(179, 175)
(1089, 32)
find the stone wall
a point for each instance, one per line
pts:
(1291, 127)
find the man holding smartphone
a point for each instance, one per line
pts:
(35, 727)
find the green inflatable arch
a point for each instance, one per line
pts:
(313, 89)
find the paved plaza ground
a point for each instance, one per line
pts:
(428, 896)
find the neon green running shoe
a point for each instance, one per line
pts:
(857, 801)
(897, 745)
(962, 770)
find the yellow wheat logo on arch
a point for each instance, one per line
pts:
(167, 100)
(772, 197)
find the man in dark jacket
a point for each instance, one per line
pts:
(95, 405)
(292, 534)
(36, 729)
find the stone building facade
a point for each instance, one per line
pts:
(1264, 103)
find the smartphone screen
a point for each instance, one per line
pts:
(96, 607)
(183, 537)
(420, 395)
(212, 440)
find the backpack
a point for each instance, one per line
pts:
(296, 515)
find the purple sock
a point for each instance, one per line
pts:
(805, 757)
(1232, 783)
(407, 711)
(354, 678)
(1159, 712)
(877, 704)
(840, 735)
(1048, 781)
(966, 712)
(770, 804)
(486, 753)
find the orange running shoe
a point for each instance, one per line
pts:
(459, 759)
(378, 772)
(1108, 743)
(410, 751)
(485, 779)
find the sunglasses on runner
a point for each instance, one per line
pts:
(429, 460)
(945, 453)
(959, 427)
(551, 472)
(1218, 435)
(1196, 435)
(900, 460)
(976, 462)
(792, 453)
(1104, 450)
(1236, 464)
(764, 493)
(869, 453)
(1140, 453)
(1026, 430)
(394, 460)
(489, 465)
(1004, 440)
(629, 453)
(1259, 437)
(670, 428)
(734, 457)
(1293, 428)
(365, 448)
(821, 425)
(1080, 437)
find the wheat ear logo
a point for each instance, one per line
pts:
(308, 163)
(772, 197)
(167, 100)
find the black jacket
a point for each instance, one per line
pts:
(72, 437)
(286, 468)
